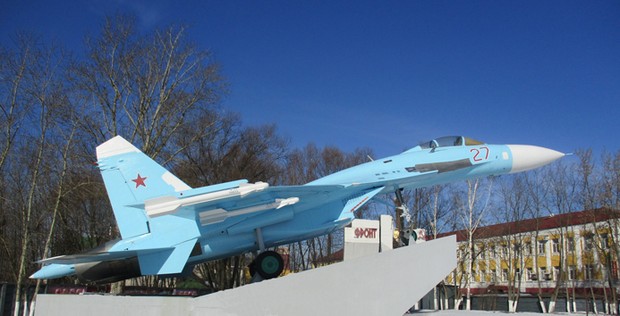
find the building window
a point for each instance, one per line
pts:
(493, 253)
(589, 271)
(504, 250)
(604, 241)
(571, 244)
(556, 273)
(541, 247)
(588, 243)
(504, 275)
(572, 272)
(528, 248)
(518, 274)
(531, 275)
(493, 275)
(555, 245)
(544, 274)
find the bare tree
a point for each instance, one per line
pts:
(609, 195)
(156, 89)
(588, 182)
(146, 87)
(16, 101)
(61, 190)
(563, 188)
(37, 87)
(516, 202)
(472, 206)
(438, 209)
(230, 153)
(307, 164)
(609, 198)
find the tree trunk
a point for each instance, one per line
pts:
(26, 221)
(59, 195)
(541, 302)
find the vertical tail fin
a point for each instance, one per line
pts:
(130, 178)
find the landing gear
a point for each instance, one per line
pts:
(402, 213)
(268, 264)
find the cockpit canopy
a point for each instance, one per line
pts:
(446, 141)
(450, 141)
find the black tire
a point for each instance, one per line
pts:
(268, 265)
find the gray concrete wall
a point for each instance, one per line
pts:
(109, 305)
(386, 283)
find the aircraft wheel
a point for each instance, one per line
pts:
(268, 265)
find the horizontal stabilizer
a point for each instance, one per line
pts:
(355, 203)
(54, 270)
(168, 261)
(98, 256)
(89, 257)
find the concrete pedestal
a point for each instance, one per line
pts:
(387, 283)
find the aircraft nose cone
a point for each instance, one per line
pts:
(527, 157)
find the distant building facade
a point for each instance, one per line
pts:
(568, 255)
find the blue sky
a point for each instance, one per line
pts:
(389, 74)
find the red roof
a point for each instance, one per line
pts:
(540, 223)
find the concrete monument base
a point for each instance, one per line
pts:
(387, 283)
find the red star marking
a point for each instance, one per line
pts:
(139, 181)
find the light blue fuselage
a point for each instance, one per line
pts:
(168, 227)
(322, 214)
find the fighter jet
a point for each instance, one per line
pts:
(166, 227)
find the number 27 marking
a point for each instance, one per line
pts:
(477, 152)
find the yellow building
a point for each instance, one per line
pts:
(567, 253)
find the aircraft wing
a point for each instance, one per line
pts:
(255, 205)
(245, 205)
(152, 261)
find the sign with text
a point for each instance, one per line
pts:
(362, 231)
(361, 239)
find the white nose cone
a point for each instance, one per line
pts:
(527, 157)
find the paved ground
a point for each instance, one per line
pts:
(479, 313)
